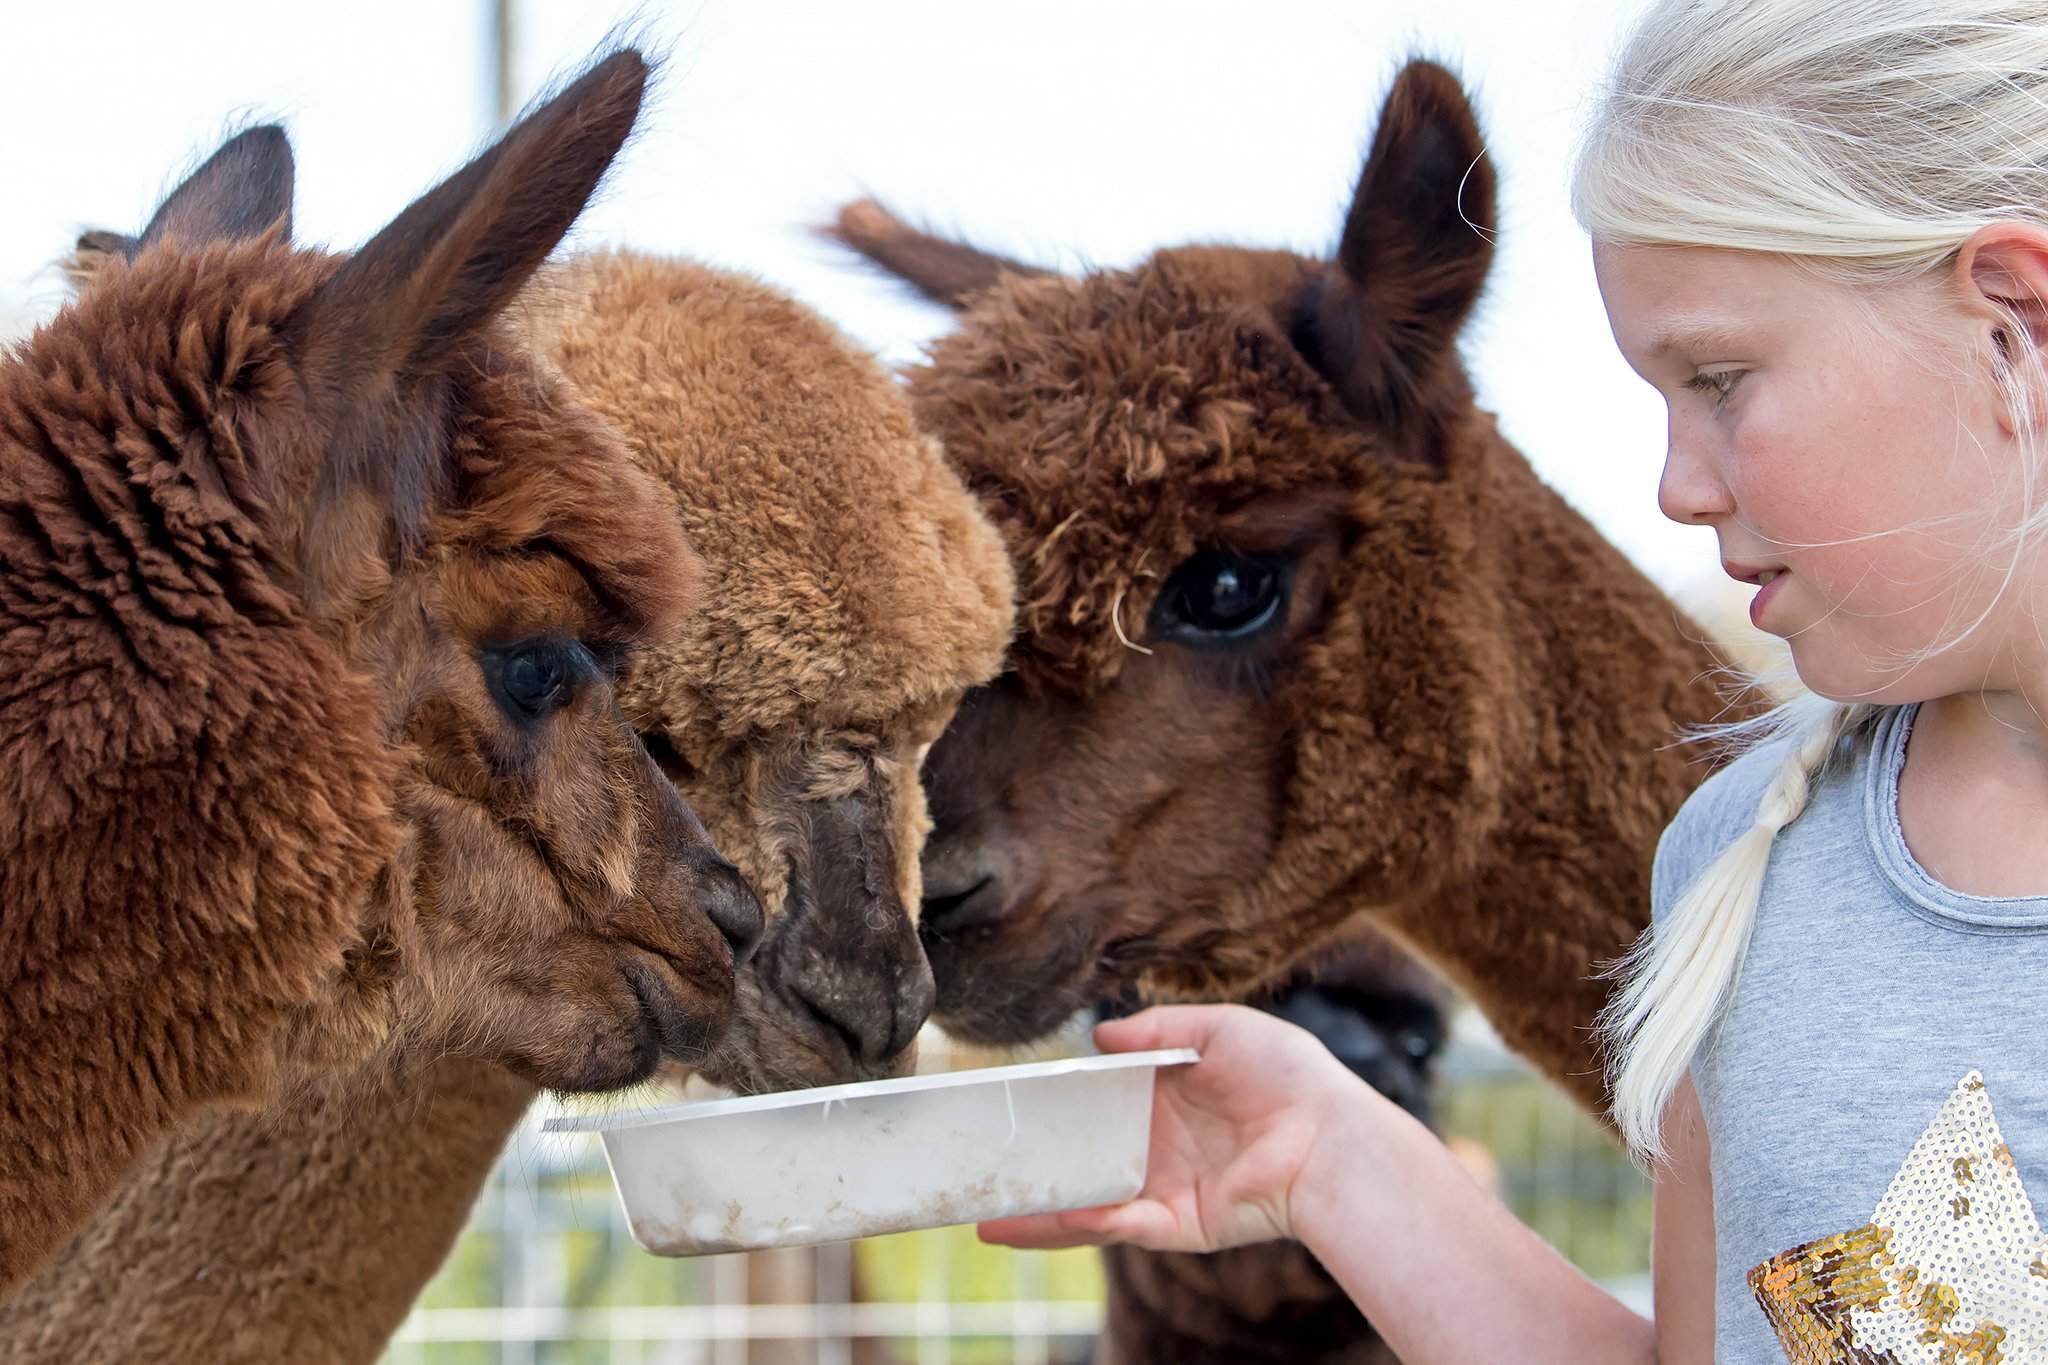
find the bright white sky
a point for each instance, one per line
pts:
(1068, 132)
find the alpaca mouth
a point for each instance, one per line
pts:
(987, 994)
(668, 1028)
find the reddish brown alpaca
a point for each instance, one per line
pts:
(1304, 642)
(852, 591)
(313, 590)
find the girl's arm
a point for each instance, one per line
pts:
(1437, 1264)
(1269, 1136)
(1682, 1246)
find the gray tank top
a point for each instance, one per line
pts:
(1876, 1094)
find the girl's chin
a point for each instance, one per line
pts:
(1848, 677)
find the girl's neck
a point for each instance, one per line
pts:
(1973, 797)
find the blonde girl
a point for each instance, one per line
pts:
(1820, 228)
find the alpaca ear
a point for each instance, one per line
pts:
(94, 250)
(241, 191)
(391, 316)
(944, 271)
(1383, 324)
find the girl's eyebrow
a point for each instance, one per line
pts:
(1693, 335)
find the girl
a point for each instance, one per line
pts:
(1821, 232)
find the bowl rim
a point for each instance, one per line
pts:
(692, 1110)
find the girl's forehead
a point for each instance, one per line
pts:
(1668, 301)
(1688, 276)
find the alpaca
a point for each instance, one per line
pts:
(1304, 642)
(852, 592)
(313, 594)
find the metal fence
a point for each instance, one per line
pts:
(546, 1272)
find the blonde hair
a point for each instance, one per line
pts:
(1867, 140)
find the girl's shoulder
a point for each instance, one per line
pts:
(1718, 812)
(1712, 818)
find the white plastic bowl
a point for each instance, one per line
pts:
(846, 1161)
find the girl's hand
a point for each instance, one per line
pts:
(1232, 1135)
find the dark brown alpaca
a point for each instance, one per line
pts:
(314, 588)
(1304, 642)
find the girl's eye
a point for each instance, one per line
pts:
(1718, 384)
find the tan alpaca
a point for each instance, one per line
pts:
(852, 592)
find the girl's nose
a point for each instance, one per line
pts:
(1690, 492)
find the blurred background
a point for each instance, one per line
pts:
(1071, 133)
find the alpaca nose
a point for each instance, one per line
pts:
(845, 957)
(734, 909)
(878, 1012)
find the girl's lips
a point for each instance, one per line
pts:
(1762, 601)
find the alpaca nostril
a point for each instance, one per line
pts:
(734, 908)
(875, 1028)
(949, 909)
(846, 1020)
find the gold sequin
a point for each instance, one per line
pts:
(1935, 1277)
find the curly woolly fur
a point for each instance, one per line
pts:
(852, 593)
(1483, 718)
(1147, 406)
(1467, 720)
(265, 516)
(795, 449)
(1461, 724)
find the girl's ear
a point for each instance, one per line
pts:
(2002, 272)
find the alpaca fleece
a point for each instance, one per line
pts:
(1481, 719)
(1459, 724)
(1462, 727)
(318, 1227)
(268, 520)
(854, 591)
(195, 786)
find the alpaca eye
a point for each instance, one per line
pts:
(538, 678)
(1220, 597)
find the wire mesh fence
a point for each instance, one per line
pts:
(547, 1274)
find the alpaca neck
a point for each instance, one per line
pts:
(303, 1232)
(1601, 675)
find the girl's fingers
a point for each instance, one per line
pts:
(1163, 1026)
(1038, 1232)
(1146, 1222)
